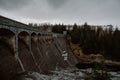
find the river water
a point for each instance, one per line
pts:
(68, 74)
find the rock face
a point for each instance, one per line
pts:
(43, 57)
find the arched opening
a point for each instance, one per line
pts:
(23, 42)
(24, 33)
(34, 37)
(24, 50)
(40, 38)
(6, 32)
(39, 34)
(46, 37)
(7, 37)
(23, 37)
(8, 62)
(35, 47)
(43, 38)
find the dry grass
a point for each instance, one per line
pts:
(76, 49)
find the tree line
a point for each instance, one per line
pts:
(97, 40)
(93, 39)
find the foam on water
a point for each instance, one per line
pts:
(72, 74)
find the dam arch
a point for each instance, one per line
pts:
(34, 37)
(24, 37)
(40, 38)
(6, 31)
(8, 37)
(7, 52)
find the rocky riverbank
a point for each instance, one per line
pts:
(110, 66)
(90, 61)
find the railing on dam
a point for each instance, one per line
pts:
(18, 26)
(12, 23)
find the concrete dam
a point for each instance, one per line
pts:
(24, 48)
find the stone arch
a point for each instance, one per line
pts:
(33, 33)
(48, 37)
(8, 38)
(35, 48)
(11, 31)
(34, 37)
(43, 34)
(44, 37)
(39, 36)
(24, 37)
(24, 33)
(11, 28)
(24, 50)
(8, 62)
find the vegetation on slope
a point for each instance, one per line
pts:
(92, 39)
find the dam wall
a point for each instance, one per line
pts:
(24, 49)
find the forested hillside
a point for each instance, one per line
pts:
(95, 39)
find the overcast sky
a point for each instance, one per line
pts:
(100, 12)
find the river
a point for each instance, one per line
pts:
(68, 74)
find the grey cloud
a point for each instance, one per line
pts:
(13, 4)
(56, 3)
(68, 11)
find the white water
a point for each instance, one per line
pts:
(70, 74)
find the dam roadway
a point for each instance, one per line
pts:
(25, 48)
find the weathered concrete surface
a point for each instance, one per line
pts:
(25, 48)
(46, 56)
(8, 64)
